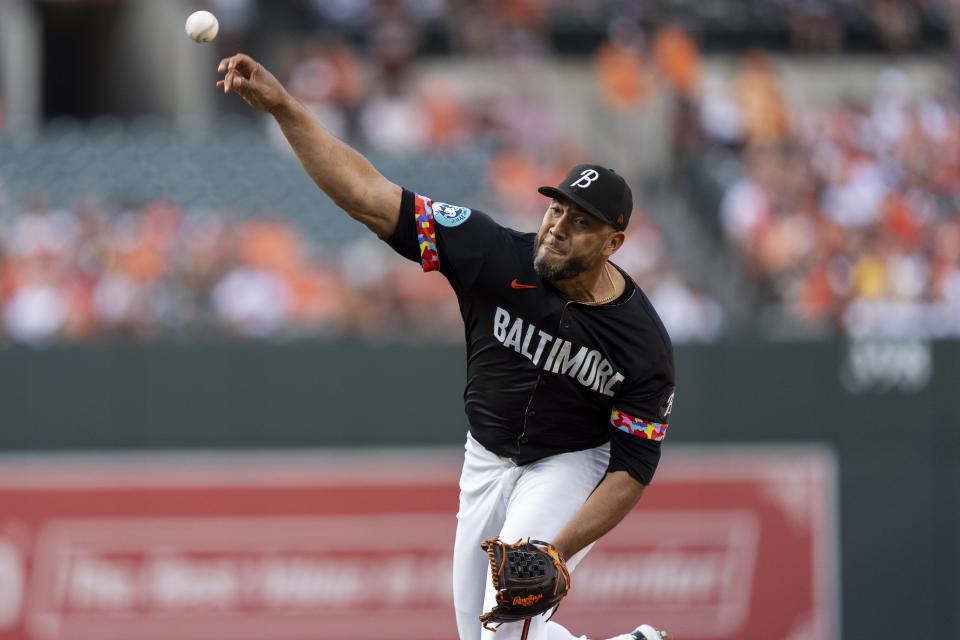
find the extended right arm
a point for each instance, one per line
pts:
(345, 175)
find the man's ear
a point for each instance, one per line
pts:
(614, 242)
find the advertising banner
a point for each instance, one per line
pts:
(726, 544)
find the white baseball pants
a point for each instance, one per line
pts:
(497, 497)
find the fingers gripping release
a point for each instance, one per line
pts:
(248, 78)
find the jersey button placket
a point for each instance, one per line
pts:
(565, 318)
(523, 439)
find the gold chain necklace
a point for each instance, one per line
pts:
(613, 287)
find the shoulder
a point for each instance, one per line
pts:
(646, 326)
(522, 238)
(478, 225)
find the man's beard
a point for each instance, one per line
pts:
(570, 268)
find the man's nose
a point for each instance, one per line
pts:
(560, 227)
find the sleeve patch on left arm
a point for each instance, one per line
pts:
(426, 234)
(637, 427)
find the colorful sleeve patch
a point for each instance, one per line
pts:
(637, 427)
(426, 233)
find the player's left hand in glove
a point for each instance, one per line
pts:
(529, 576)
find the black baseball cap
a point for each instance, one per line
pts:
(597, 190)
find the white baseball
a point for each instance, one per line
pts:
(202, 26)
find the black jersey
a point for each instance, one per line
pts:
(545, 375)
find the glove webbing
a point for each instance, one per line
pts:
(559, 564)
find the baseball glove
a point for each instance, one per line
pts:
(529, 576)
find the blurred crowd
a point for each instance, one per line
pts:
(842, 216)
(84, 273)
(94, 270)
(476, 28)
(530, 28)
(536, 27)
(846, 215)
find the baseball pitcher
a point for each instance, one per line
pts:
(570, 376)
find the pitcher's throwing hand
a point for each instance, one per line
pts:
(246, 77)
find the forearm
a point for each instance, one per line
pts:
(617, 494)
(345, 175)
(336, 168)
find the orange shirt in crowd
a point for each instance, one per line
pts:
(515, 177)
(272, 245)
(528, 14)
(622, 76)
(677, 57)
(764, 110)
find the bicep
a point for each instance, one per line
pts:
(638, 425)
(636, 456)
(444, 237)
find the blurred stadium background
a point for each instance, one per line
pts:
(173, 288)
